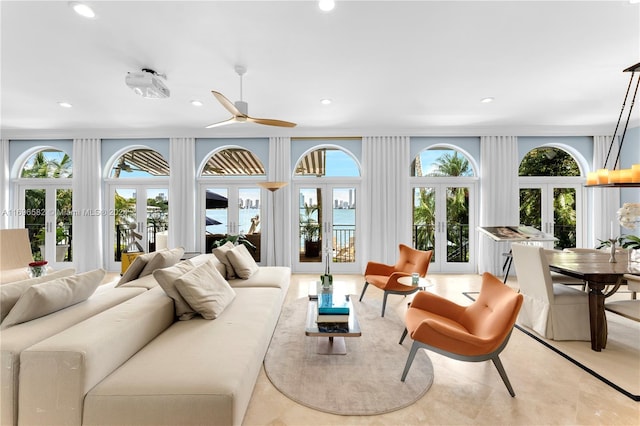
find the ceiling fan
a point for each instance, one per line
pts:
(240, 109)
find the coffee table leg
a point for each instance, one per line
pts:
(331, 346)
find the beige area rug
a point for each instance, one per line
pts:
(365, 381)
(618, 365)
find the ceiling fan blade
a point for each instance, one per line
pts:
(226, 103)
(222, 123)
(270, 122)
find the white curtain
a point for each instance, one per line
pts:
(88, 241)
(386, 197)
(499, 197)
(4, 182)
(606, 201)
(278, 230)
(182, 187)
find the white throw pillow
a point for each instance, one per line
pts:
(166, 279)
(135, 268)
(10, 293)
(205, 290)
(162, 259)
(51, 296)
(243, 263)
(221, 254)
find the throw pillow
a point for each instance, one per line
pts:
(166, 279)
(221, 254)
(10, 293)
(51, 296)
(242, 261)
(206, 291)
(136, 267)
(162, 259)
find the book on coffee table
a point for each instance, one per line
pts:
(333, 304)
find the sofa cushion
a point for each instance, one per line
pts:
(166, 279)
(267, 276)
(242, 262)
(162, 259)
(51, 296)
(205, 290)
(209, 257)
(221, 254)
(10, 293)
(133, 271)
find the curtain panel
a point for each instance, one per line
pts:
(499, 196)
(278, 228)
(87, 196)
(182, 208)
(606, 201)
(4, 182)
(386, 197)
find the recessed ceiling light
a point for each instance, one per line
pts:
(325, 101)
(326, 5)
(196, 102)
(486, 100)
(65, 104)
(82, 9)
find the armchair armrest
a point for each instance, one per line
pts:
(430, 302)
(375, 268)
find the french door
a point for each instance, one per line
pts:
(554, 208)
(327, 228)
(48, 217)
(231, 209)
(444, 221)
(139, 221)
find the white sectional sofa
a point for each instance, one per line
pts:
(137, 364)
(15, 339)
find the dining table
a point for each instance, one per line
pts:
(598, 270)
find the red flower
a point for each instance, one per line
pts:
(38, 263)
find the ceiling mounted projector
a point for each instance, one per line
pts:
(148, 84)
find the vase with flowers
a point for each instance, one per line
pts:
(326, 279)
(38, 268)
(629, 218)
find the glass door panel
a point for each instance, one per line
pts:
(125, 233)
(35, 204)
(457, 224)
(310, 230)
(63, 220)
(564, 217)
(157, 220)
(343, 225)
(531, 207)
(248, 220)
(424, 220)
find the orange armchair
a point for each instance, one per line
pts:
(385, 277)
(478, 332)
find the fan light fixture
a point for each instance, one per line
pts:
(148, 84)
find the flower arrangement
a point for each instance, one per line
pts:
(629, 216)
(38, 268)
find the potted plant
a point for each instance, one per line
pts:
(62, 238)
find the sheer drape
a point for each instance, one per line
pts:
(499, 196)
(386, 197)
(606, 201)
(4, 182)
(182, 210)
(88, 241)
(279, 170)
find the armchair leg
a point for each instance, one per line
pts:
(412, 355)
(384, 302)
(404, 334)
(503, 374)
(366, 284)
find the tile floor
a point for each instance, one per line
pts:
(549, 389)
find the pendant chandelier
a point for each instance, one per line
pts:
(613, 177)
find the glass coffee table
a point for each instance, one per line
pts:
(330, 341)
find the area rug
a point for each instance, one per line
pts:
(365, 381)
(618, 365)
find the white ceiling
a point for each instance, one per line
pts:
(390, 67)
